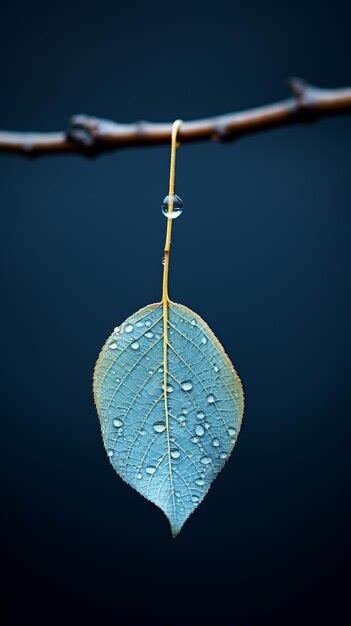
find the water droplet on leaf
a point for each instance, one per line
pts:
(199, 430)
(205, 460)
(187, 385)
(175, 454)
(159, 427)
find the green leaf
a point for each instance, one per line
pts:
(169, 444)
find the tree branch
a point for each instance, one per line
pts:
(91, 136)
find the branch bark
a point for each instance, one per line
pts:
(91, 136)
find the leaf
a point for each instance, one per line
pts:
(168, 444)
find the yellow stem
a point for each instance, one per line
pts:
(167, 249)
(165, 298)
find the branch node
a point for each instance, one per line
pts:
(305, 97)
(84, 133)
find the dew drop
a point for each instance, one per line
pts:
(193, 322)
(159, 427)
(204, 340)
(199, 430)
(147, 323)
(215, 367)
(169, 388)
(195, 499)
(200, 415)
(113, 345)
(117, 423)
(194, 439)
(116, 330)
(210, 398)
(109, 453)
(223, 455)
(232, 432)
(176, 210)
(150, 372)
(160, 369)
(128, 328)
(151, 469)
(134, 345)
(215, 442)
(205, 460)
(207, 425)
(149, 334)
(187, 385)
(139, 324)
(117, 380)
(175, 454)
(199, 482)
(139, 476)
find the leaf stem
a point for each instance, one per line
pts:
(165, 297)
(175, 127)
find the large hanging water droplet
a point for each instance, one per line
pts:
(159, 427)
(187, 385)
(177, 207)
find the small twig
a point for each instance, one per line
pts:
(91, 136)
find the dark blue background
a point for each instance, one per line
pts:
(261, 252)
